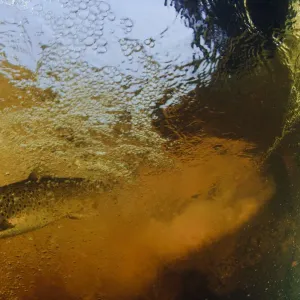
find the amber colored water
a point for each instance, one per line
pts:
(119, 248)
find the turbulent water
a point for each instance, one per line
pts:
(148, 150)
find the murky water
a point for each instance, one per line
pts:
(149, 149)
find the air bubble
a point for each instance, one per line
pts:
(118, 79)
(93, 9)
(83, 14)
(100, 27)
(107, 70)
(99, 32)
(147, 42)
(128, 22)
(82, 5)
(72, 16)
(69, 23)
(124, 47)
(100, 20)
(48, 16)
(138, 48)
(90, 32)
(59, 21)
(128, 52)
(104, 6)
(111, 17)
(89, 41)
(152, 44)
(92, 17)
(74, 9)
(38, 8)
(102, 42)
(86, 24)
(77, 21)
(122, 42)
(73, 32)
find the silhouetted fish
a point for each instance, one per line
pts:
(36, 193)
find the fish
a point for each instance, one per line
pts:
(40, 193)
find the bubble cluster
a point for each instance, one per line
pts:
(105, 84)
(127, 25)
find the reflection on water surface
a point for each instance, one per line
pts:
(149, 150)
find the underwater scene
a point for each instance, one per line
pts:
(149, 149)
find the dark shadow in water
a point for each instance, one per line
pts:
(250, 108)
(220, 24)
(241, 101)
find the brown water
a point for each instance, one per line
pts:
(118, 248)
(182, 145)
